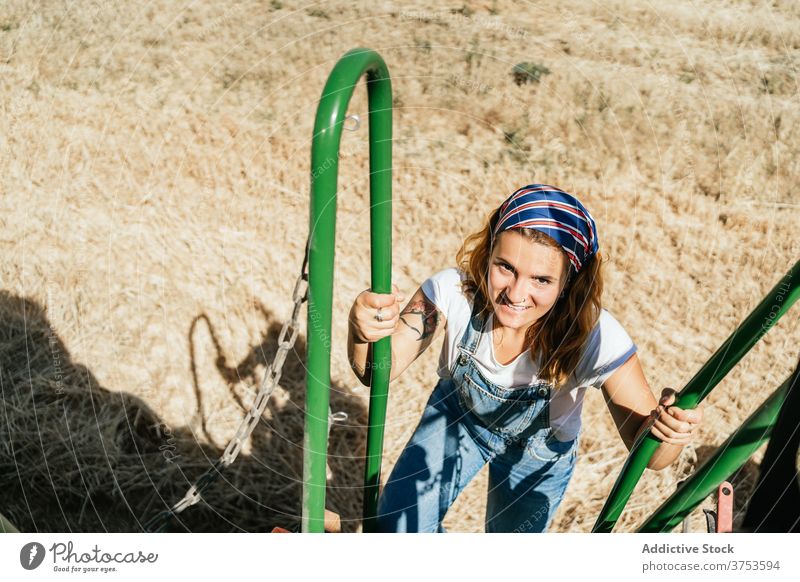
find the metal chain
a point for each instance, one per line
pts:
(250, 421)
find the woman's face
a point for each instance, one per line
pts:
(526, 274)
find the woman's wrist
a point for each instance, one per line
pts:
(665, 454)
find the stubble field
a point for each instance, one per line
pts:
(154, 162)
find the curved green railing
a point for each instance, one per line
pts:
(761, 319)
(6, 526)
(324, 174)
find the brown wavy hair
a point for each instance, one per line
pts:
(559, 335)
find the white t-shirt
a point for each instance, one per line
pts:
(607, 348)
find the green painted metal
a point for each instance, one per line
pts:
(728, 458)
(761, 319)
(6, 526)
(324, 174)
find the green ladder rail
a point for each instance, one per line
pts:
(324, 174)
(777, 302)
(729, 457)
(6, 526)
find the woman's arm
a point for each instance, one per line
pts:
(412, 331)
(634, 408)
(363, 329)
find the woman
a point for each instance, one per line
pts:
(525, 335)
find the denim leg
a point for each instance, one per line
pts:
(436, 464)
(526, 485)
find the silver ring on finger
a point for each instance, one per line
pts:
(379, 315)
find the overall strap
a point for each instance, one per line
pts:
(472, 334)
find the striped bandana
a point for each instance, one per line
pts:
(555, 213)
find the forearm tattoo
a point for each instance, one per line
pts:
(428, 314)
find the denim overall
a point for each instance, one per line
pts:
(468, 422)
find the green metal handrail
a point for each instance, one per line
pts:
(729, 457)
(760, 321)
(6, 526)
(324, 174)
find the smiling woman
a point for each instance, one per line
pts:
(526, 336)
(549, 240)
(525, 280)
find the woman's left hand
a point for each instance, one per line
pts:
(671, 424)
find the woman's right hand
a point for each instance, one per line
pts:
(363, 324)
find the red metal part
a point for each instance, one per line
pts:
(333, 524)
(725, 508)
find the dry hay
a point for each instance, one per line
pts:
(155, 203)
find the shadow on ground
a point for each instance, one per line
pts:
(75, 456)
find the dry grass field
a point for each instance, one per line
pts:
(154, 168)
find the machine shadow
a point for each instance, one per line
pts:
(277, 456)
(77, 457)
